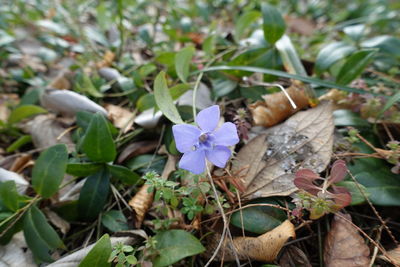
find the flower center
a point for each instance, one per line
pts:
(203, 138)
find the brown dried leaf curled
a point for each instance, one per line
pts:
(344, 246)
(270, 160)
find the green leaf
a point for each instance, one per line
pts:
(87, 86)
(345, 117)
(274, 26)
(332, 53)
(49, 170)
(244, 22)
(354, 66)
(39, 235)
(261, 219)
(83, 169)
(98, 143)
(182, 62)
(24, 112)
(25, 139)
(9, 195)
(174, 245)
(147, 162)
(114, 220)
(124, 174)
(99, 254)
(391, 101)
(290, 58)
(356, 196)
(93, 195)
(290, 76)
(222, 87)
(387, 44)
(164, 100)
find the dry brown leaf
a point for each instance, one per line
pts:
(270, 160)
(20, 182)
(21, 163)
(276, 107)
(61, 81)
(108, 59)
(142, 200)
(46, 131)
(57, 221)
(137, 148)
(301, 26)
(344, 246)
(7, 100)
(262, 248)
(15, 254)
(293, 256)
(394, 255)
(121, 117)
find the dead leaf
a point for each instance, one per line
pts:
(47, 131)
(7, 100)
(394, 256)
(57, 221)
(108, 59)
(21, 163)
(276, 107)
(69, 103)
(142, 200)
(270, 160)
(121, 117)
(148, 119)
(301, 26)
(344, 246)
(137, 148)
(15, 254)
(263, 248)
(61, 81)
(293, 256)
(20, 182)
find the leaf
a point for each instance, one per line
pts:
(345, 117)
(264, 248)
(9, 195)
(21, 141)
(98, 143)
(344, 246)
(124, 174)
(24, 112)
(99, 254)
(164, 100)
(290, 58)
(49, 170)
(114, 220)
(332, 53)
(20, 182)
(39, 235)
(174, 245)
(387, 44)
(87, 86)
(270, 160)
(354, 66)
(94, 195)
(356, 196)
(244, 22)
(82, 169)
(182, 62)
(274, 26)
(137, 148)
(259, 220)
(390, 102)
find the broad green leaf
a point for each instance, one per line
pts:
(174, 245)
(124, 174)
(357, 197)
(114, 220)
(355, 32)
(274, 26)
(164, 100)
(49, 170)
(93, 195)
(86, 86)
(222, 87)
(345, 117)
(39, 235)
(98, 143)
(99, 254)
(354, 66)
(83, 169)
(332, 53)
(182, 62)
(244, 22)
(391, 101)
(261, 219)
(290, 76)
(9, 195)
(24, 112)
(387, 44)
(25, 139)
(147, 162)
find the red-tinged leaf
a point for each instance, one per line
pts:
(342, 196)
(307, 174)
(338, 171)
(307, 185)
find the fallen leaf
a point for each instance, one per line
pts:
(7, 100)
(394, 256)
(108, 59)
(148, 119)
(20, 182)
(61, 81)
(270, 160)
(121, 117)
(276, 107)
(301, 26)
(15, 254)
(263, 248)
(47, 131)
(344, 246)
(69, 103)
(137, 148)
(293, 256)
(21, 163)
(57, 221)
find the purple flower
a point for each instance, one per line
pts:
(205, 141)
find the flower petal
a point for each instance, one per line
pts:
(186, 136)
(208, 118)
(226, 135)
(193, 161)
(218, 156)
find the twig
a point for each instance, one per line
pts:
(373, 258)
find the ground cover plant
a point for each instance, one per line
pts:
(199, 133)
